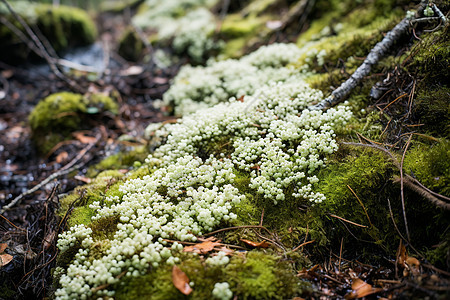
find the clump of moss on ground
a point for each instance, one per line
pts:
(121, 160)
(63, 26)
(77, 203)
(68, 112)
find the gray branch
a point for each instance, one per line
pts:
(377, 52)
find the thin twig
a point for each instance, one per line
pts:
(271, 241)
(360, 202)
(396, 99)
(235, 227)
(440, 14)
(350, 222)
(424, 193)
(411, 182)
(71, 166)
(340, 255)
(12, 224)
(302, 245)
(393, 220)
(401, 189)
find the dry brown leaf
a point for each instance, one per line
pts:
(361, 289)
(62, 157)
(181, 281)
(5, 259)
(201, 248)
(241, 98)
(84, 138)
(160, 80)
(226, 250)
(414, 265)
(48, 240)
(262, 244)
(412, 261)
(209, 239)
(402, 255)
(3, 246)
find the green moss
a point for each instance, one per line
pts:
(431, 57)
(80, 215)
(289, 219)
(430, 164)
(104, 228)
(77, 203)
(63, 26)
(367, 172)
(432, 108)
(121, 160)
(262, 276)
(68, 112)
(251, 275)
(130, 45)
(238, 33)
(235, 26)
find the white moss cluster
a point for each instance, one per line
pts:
(188, 23)
(200, 87)
(220, 259)
(274, 140)
(77, 234)
(183, 200)
(222, 291)
(192, 33)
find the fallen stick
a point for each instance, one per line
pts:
(71, 166)
(377, 52)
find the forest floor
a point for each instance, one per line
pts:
(30, 227)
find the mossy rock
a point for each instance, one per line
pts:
(130, 45)
(68, 112)
(63, 26)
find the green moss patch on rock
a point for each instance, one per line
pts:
(68, 112)
(63, 26)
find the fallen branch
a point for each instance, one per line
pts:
(71, 166)
(379, 51)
